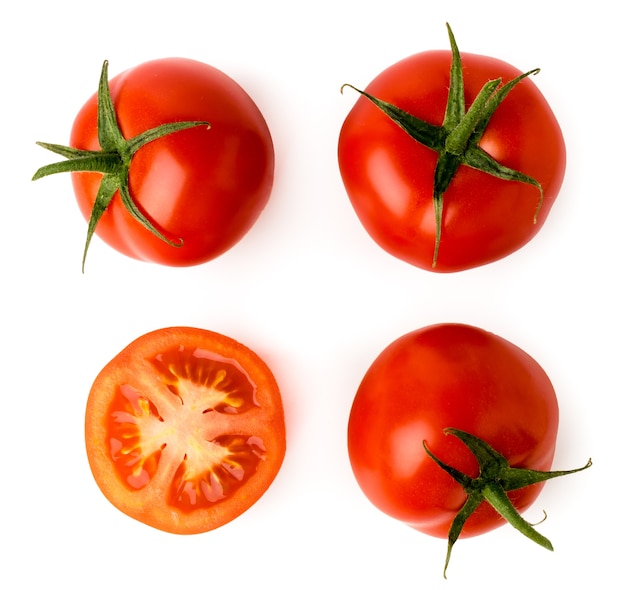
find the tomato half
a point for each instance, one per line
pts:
(202, 188)
(389, 176)
(184, 429)
(448, 376)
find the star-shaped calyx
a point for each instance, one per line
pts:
(496, 478)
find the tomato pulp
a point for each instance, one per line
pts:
(448, 376)
(184, 429)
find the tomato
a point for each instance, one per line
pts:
(184, 429)
(396, 185)
(448, 376)
(201, 190)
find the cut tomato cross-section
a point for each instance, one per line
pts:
(184, 429)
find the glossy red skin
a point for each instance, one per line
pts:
(207, 187)
(389, 176)
(448, 375)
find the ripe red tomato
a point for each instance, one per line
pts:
(389, 176)
(201, 189)
(448, 376)
(184, 429)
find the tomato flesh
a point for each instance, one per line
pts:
(185, 430)
(442, 376)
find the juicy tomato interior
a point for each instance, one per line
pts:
(187, 435)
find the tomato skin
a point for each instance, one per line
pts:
(184, 429)
(448, 375)
(206, 187)
(389, 176)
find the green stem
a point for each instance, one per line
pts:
(495, 495)
(455, 106)
(104, 162)
(456, 142)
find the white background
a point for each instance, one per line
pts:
(308, 290)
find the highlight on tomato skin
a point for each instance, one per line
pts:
(184, 429)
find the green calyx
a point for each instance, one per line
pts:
(456, 141)
(496, 478)
(112, 161)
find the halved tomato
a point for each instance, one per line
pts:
(185, 429)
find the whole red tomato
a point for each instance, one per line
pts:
(442, 190)
(198, 189)
(441, 376)
(453, 430)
